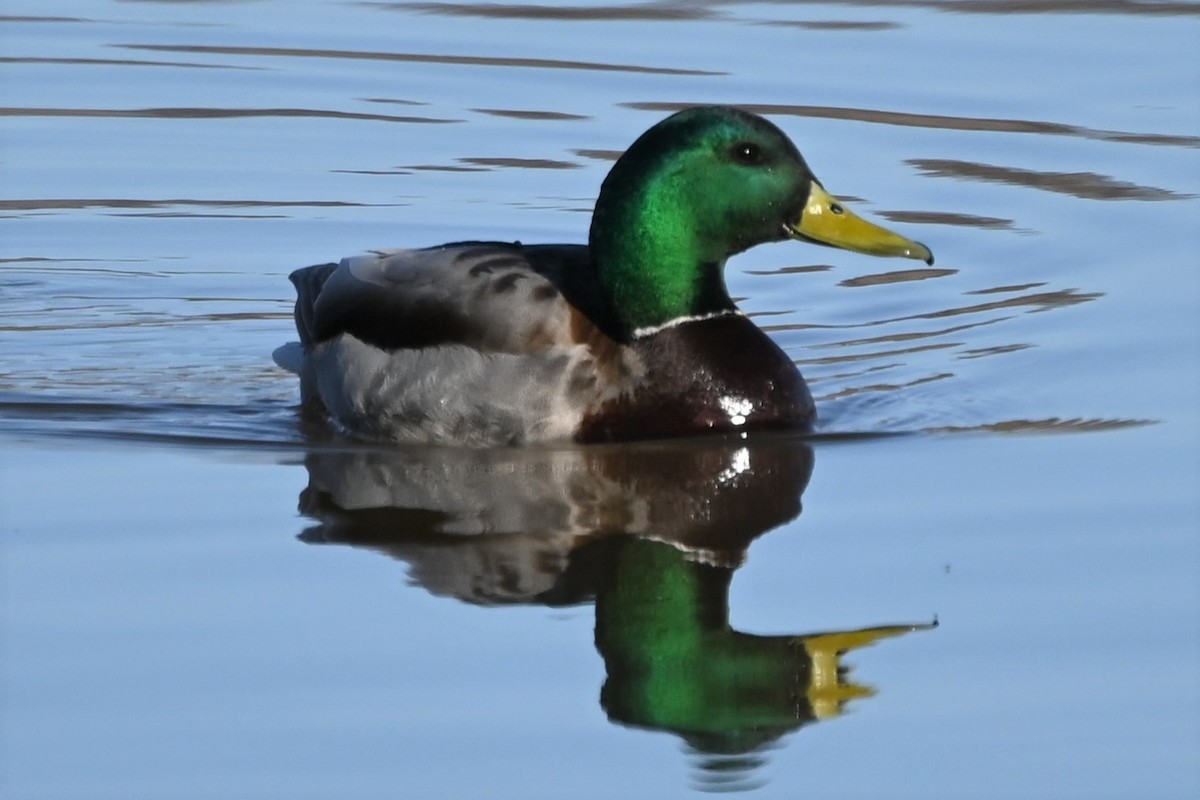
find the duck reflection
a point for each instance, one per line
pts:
(650, 532)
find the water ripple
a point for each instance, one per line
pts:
(419, 58)
(1086, 185)
(215, 113)
(943, 121)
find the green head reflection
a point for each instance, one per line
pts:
(675, 664)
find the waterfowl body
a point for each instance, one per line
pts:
(632, 336)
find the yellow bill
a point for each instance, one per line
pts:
(827, 221)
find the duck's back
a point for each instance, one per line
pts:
(490, 295)
(468, 343)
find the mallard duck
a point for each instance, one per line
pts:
(632, 336)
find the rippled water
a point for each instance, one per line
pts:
(577, 622)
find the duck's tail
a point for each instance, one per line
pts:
(289, 356)
(308, 282)
(293, 356)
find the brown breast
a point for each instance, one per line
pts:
(719, 374)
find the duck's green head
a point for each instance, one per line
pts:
(698, 187)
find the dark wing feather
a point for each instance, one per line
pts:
(308, 282)
(491, 296)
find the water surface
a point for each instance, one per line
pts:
(206, 595)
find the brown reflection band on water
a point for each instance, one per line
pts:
(393, 101)
(512, 113)
(475, 164)
(212, 113)
(648, 12)
(899, 351)
(1040, 301)
(897, 276)
(792, 270)
(833, 25)
(598, 155)
(106, 271)
(419, 58)
(116, 62)
(1086, 185)
(1015, 287)
(883, 387)
(159, 321)
(948, 218)
(998, 350)
(1018, 7)
(45, 204)
(913, 120)
(1049, 425)
(672, 10)
(883, 352)
(409, 168)
(7, 18)
(911, 335)
(523, 163)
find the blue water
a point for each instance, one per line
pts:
(1009, 442)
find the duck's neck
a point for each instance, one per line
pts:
(654, 265)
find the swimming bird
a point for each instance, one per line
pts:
(632, 336)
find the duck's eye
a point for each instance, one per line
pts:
(747, 153)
